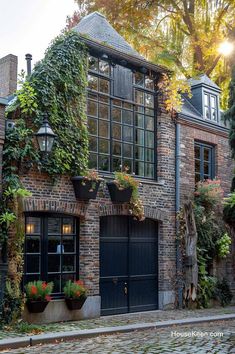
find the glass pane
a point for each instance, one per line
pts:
(68, 226)
(116, 115)
(103, 146)
(139, 97)
(149, 123)
(92, 143)
(103, 129)
(32, 244)
(149, 83)
(139, 109)
(116, 131)
(68, 264)
(54, 263)
(92, 95)
(92, 108)
(139, 168)
(56, 280)
(104, 67)
(66, 277)
(31, 278)
(93, 82)
(149, 155)
(197, 177)
(139, 79)
(127, 117)
(93, 161)
(139, 120)
(68, 244)
(197, 166)
(206, 168)
(117, 148)
(149, 170)
(117, 103)
(93, 63)
(127, 133)
(213, 102)
(117, 164)
(127, 150)
(103, 111)
(206, 154)
(104, 86)
(149, 100)
(33, 225)
(139, 137)
(149, 112)
(207, 113)
(104, 99)
(92, 126)
(128, 164)
(149, 136)
(54, 225)
(139, 153)
(214, 114)
(197, 152)
(206, 99)
(127, 105)
(54, 244)
(103, 163)
(32, 264)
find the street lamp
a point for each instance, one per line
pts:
(45, 137)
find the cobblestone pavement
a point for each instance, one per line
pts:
(109, 321)
(215, 337)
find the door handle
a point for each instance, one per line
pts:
(125, 289)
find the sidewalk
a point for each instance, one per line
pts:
(109, 324)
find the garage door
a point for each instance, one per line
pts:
(128, 265)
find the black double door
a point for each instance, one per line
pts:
(128, 265)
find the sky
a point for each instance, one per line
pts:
(28, 26)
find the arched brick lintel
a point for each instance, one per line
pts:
(54, 206)
(123, 209)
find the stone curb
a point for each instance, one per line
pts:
(14, 343)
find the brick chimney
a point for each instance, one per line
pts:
(8, 75)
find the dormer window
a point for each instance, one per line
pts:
(210, 107)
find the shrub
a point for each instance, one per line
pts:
(75, 289)
(223, 245)
(223, 292)
(208, 193)
(38, 290)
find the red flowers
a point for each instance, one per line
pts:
(44, 286)
(48, 298)
(38, 290)
(80, 282)
(34, 290)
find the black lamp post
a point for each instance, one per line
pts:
(45, 137)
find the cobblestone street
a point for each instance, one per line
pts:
(214, 337)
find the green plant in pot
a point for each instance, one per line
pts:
(75, 294)
(86, 186)
(124, 189)
(38, 295)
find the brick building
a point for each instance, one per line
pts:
(127, 265)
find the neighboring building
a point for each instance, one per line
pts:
(127, 265)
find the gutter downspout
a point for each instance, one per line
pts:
(177, 209)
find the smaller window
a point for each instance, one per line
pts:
(210, 107)
(204, 156)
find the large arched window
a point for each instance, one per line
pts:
(51, 249)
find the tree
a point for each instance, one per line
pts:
(182, 34)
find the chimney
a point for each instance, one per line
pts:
(8, 75)
(28, 58)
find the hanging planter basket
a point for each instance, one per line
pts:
(75, 304)
(119, 195)
(36, 306)
(85, 189)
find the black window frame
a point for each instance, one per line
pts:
(149, 160)
(211, 161)
(44, 254)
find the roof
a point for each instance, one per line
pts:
(203, 80)
(99, 29)
(189, 110)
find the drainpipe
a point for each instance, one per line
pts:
(28, 58)
(177, 209)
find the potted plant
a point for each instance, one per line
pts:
(86, 186)
(124, 189)
(75, 294)
(38, 295)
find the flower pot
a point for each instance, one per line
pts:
(36, 306)
(119, 195)
(75, 304)
(85, 189)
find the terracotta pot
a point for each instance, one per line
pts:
(84, 189)
(36, 306)
(119, 195)
(75, 304)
